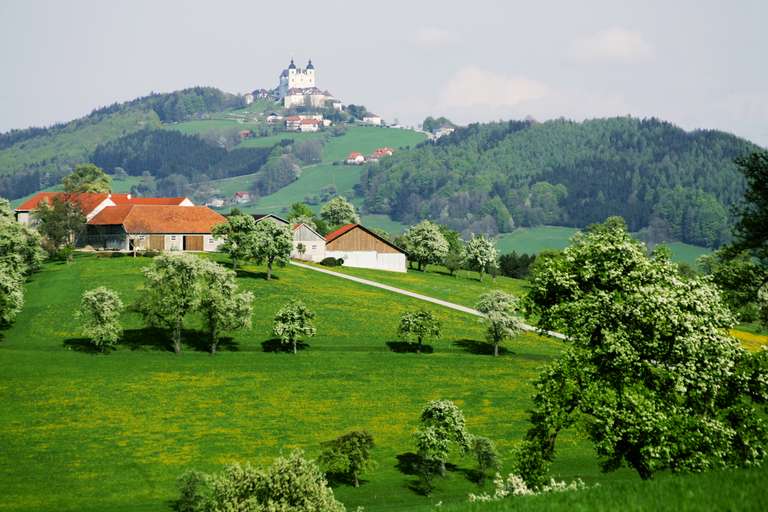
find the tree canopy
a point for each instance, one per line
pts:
(339, 211)
(87, 178)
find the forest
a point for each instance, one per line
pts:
(491, 178)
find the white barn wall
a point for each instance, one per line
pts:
(392, 262)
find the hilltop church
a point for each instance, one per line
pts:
(298, 87)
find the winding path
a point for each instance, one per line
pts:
(433, 300)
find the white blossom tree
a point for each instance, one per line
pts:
(272, 244)
(11, 294)
(419, 325)
(222, 305)
(293, 322)
(99, 315)
(425, 243)
(441, 424)
(339, 211)
(500, 310)
(480, 254)
(239, 235)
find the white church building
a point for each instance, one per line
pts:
(298, 87)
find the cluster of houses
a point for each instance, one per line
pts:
(356, 158)
(121, 222)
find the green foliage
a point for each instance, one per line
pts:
(420, 324)
(278, 172)
(648, 371)
(289, 484)
(239, 234)
(11, 293)
(222, 305)
(480, 254)
(516, 265)
(20, 250)
(486, 455)
(99, 315)
(500, 311)
(453, 261)
(753, 216)
(272, 243)
(87, 178)
(431, 124)
(60, 223)
(738, 276)
(292, 322)
(425, 243)
(442, 425)
(347, 455)
(339, 211)
(567, 173)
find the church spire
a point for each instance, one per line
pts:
(292, 65)
(310, 66)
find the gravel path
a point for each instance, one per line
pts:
(440, 302)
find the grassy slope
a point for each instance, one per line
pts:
(89, 432)
(535, 240)
(73, 142)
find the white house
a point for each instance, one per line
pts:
(355, 158)
(309, 125)
(248, 97)
(372, 119)
(362, 248)
(312, 242)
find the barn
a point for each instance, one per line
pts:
(362, 248)
(311, 240)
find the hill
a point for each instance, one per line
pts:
(493, 177)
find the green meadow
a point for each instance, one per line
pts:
(87, 432)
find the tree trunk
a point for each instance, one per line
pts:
(294, 347)
(177, 337)
(354, 477)
(214, 340)
(234, 263)
(495, 350)
(418, 348)
(442, 468)
(269, 270)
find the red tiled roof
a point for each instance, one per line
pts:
(124, 199)
(159, 218)
(354, 155)
(86, 200)
(310, 121)
(333, 235)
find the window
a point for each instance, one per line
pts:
(314, 247)
(141, 237)
(210, 240)
(173, 237)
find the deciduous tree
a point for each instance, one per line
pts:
(87, 178)
(419, 325)
(441, 424)
(425, 243)
(500, 310)
(348, 455)
(222, 305)
(272, 244)
(99, 315)
(11, 294)
(293, 322)
(239, 235)
(60, 223)
(480, 254)
(339, 211)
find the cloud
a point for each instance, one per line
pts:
(612, 44)
(434, 37)
(475, 87)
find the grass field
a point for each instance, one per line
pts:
(89, 432)
(535, 240)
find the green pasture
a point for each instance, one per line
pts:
(384, 222)
(365, 139)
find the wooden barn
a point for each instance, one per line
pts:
(362, 248)
(313, 242)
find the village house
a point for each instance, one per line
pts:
(242, 197)
(129, 227)
(248, 97)
(355, 158)
(372, 119)
(312, 242)
(362, 248)
(215, 202)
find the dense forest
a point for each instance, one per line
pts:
(166, 152)
(493, 177)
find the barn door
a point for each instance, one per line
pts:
(157, 242)
(193, 243)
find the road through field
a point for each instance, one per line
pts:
(440, 302)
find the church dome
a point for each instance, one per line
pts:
(310, 66)
(292, 65)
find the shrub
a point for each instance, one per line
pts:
(99, 314)
(150, 253)
(331, 262)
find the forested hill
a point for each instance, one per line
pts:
(493, 177)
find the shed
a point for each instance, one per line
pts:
(360, 247)
(313, 242)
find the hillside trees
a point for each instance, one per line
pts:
(480, 254)
(500, 310)
(752, 225)
(222, 306)
(339, 211)
(99, 315)
(649, 369)
(278, 172)
(272, 244)
(293, 322)
(239, 235)
(442, 424)
(425, 244)
(87, 178)
(419, 325)
(347, 455)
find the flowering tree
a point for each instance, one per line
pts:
(419, 324)
(649, 369)
(339, 211)
(500, 311)
(239, 234)
(11, 294)
(223, 306)
(425, 243)
(480, 254)
(272, 244)
(348, 455)
(442, 424)
(292, 322)
(99, 314)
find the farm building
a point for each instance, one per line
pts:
(92, 203)
(355, 158)
(313, 242)
(361, 247)
(129, 227)
(259, 217)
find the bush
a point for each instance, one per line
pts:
(117, 254)
(150, 253)
(331, 262)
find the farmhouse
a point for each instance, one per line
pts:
(91, 203)
(361, 247)
(311, 240)
(355, 158)
(372, 119)
(260, 217)
(129, 227)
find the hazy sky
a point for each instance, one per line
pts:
(699, 64)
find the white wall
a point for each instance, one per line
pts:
(393, 262)
(211, 244)
(174, 242)
(24, 218)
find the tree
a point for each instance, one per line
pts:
(649, 369)
(19, 245)
(171, 291)
(419, 325)
(292, 322)
(301, 248)
(272, 243)
(441, 425)
(309, 151)
(339, 211)
(60, 223)
(87, 178)
(486, 455)
(239, 234)
(300, 213)
(347, 455)
(425, 243)
(499, 309)
(480, 254)
(11, 294)
(752, 226)
(222, 305)
(739, 277)
(99, 314)
(453, 262)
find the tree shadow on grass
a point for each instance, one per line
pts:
(425, 471)
(248, 274)
(84, 345)
(338, 479)
(275, 345)
(480, 347)
(403, 347)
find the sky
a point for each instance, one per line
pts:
(697, 64)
